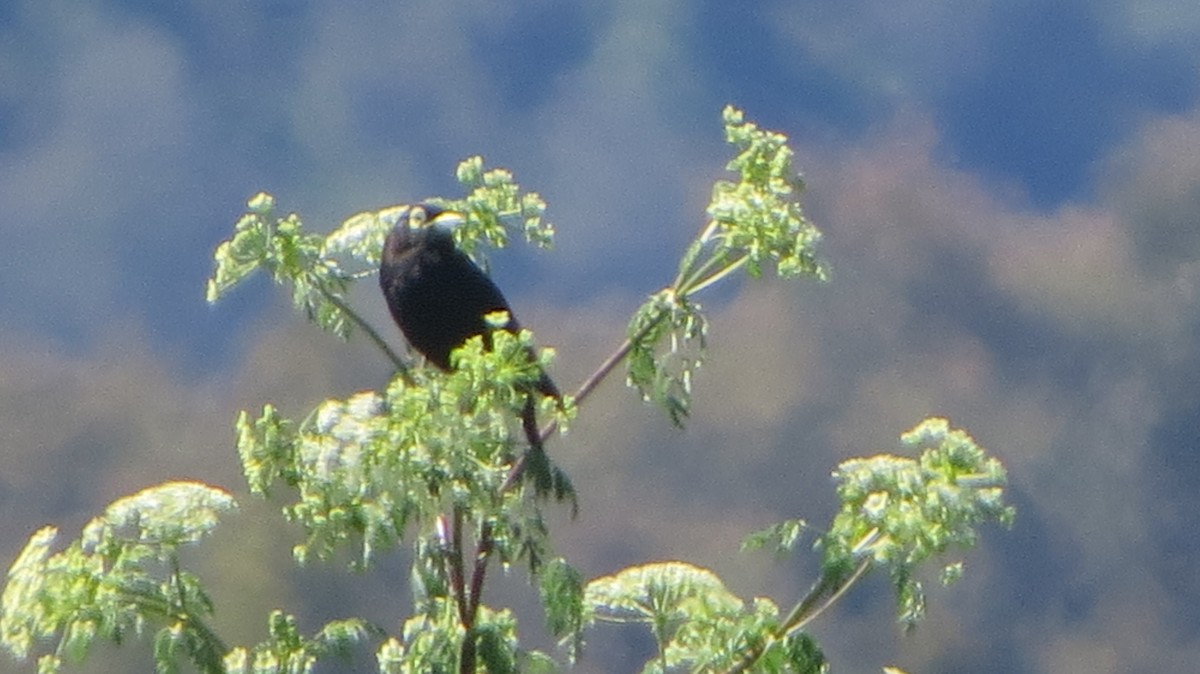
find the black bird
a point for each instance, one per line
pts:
(435, 293)
(438, 296)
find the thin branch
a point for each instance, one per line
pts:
(585, 390)
(687, 278)
(457, 576)
(822, 595)
(812, 606)
(592, 382)
(466, 615)
(212, 643)
(212, 647)
(370, 332)
(486, 543)
(729, 269)
(705, 235)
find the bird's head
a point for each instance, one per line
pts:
(422, 215)
(422, 224)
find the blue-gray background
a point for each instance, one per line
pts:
(1009, 189)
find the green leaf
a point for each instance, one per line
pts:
(120, 578)
(281, 248)
(536, 662)
(899, 512)
(494, 205)
(698, 624)
(668, 337)
(267, 448)
(753, 221)
(357, 243)
(655, 593)
(561, 589)
(495, 651)
(782, 537)
(366, 469)
(25, 618)
(167, 516)
(288, 651)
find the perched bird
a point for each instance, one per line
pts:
(439, 297)
(435, 293)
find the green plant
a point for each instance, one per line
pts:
(435, 461)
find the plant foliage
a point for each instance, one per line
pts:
(437, 462)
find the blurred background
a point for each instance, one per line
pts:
(1009, 192)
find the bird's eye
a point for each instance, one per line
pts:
(417, 217)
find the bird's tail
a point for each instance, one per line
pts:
(548, 479)
(546, 387)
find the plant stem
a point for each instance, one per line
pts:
(812, 605)
(585, 390)
(457, 575)
(726, 271)
(370, 332)
(207, 656)
(483, 552)
(485, 542)
(685, 282)
(822, 595)
(466, 616)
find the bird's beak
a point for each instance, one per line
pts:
(420, 216)
(448, 219)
